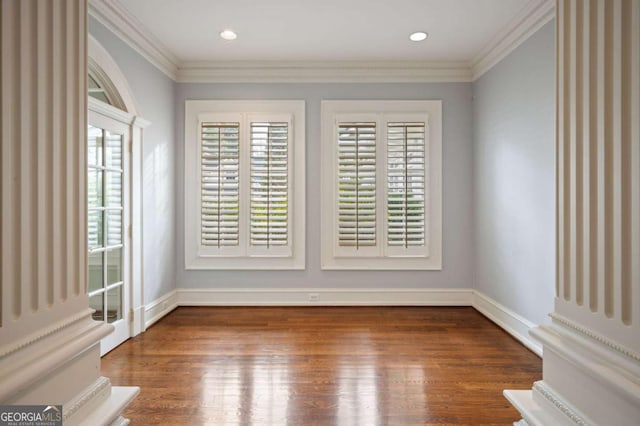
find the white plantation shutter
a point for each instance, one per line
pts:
(244, 184)
(220, 197)
(95, 189)
(356, 184)
(269, 197)
(381, 193)
(105, 188)
(406, 171)
(113, 187)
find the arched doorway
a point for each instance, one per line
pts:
(114, 257)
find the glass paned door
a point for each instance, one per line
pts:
(106, 213)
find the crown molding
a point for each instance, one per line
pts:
(324, 72)
(530, 19)
(130, 30)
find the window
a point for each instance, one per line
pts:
(381, 175)
(244, 184)
(95, 90)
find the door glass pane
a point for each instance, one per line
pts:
(94, 150)
(94, 188)
(113, 151)
(96, 271)
(94, 233)
(95, 302)
(114, 266)
(105, 223)
(114, 304)
(114, 225)
(113, 190)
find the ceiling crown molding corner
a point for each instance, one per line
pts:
(130, 30)
(323, 72)
(520, 28)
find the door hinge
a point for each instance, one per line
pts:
(130, 146)
(131, 316)
(130, 231)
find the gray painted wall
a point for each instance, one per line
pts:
(154, 95)
(498, 183)
(514, 178)
(457, 187)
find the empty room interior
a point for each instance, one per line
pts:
(321, 212)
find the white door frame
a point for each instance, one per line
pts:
(125, 110)
(122, 327)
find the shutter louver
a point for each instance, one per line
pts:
(95, 190)
(220, 156)
(269, 184)
(113, 187)
(357, 184)
(406, 184)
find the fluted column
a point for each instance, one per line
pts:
(592, 348)
(49, 345)
(599, 168)
(43, 178)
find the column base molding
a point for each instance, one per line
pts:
(587, 380)
(61, 366)
(29, 369)
(100, 404)
(542, 406)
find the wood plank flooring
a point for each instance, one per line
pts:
(322, 366)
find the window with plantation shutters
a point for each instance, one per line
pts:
(381, 173)
(220, 184)
(269, 183)
(406, 170)
(357, 184)
(244, 184)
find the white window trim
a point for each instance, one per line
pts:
(335, 261)
(194, 258)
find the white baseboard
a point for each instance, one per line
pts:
(138, 320)
(160, 307)
(324, 297)
(508, 320)
(505, 318)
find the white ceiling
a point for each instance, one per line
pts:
(326, 30)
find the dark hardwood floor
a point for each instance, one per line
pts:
(322, 366)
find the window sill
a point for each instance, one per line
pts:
(263, 263)
(383, 264)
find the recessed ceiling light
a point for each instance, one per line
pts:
(228, 35)
(418, 36)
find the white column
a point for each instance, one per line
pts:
(49, 345)
(591, 363)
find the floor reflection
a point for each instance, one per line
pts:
(323, 366)
(357, 395)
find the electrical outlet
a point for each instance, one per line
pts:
(314, 297)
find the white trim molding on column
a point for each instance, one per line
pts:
(49, 343)
(591, 364)
(588, 379)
